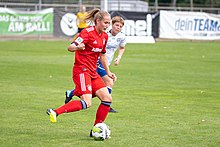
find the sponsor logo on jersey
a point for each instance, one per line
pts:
(79, 40)
(96, 50)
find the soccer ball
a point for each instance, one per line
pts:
(101, 132)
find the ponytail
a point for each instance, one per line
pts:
(95, 14)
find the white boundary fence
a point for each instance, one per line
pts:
(189, 25)
(134, 25)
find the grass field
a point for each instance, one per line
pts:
(167, 95)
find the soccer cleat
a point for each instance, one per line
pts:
(53, 115)
(91, 135)
(112, 110)
(69, 95)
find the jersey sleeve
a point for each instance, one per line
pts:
(83, 37)
(123, 41)
(104, 48)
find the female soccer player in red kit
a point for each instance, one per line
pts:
(88, 47)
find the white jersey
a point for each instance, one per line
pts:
(113, 43)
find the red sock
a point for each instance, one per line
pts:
(101, 113)
(69, 107)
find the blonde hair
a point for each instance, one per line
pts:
(95, 14)
(118, 19)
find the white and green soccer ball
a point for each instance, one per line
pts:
(101, 132)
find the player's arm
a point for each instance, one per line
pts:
(121, 51)
(74, 47)
(104, 62)
(78, 43)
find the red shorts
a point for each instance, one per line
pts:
(85, 84)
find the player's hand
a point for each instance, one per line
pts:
(81, 46)
(116, 61)
(113, 76)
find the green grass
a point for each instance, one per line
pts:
(167, 95)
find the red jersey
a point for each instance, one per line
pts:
(86, 60)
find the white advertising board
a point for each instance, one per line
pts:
(189, 25)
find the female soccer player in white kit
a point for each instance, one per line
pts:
(116, 41)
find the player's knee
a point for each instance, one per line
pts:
(104, 95)
(108, 98)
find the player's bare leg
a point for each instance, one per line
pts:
(109, 83)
